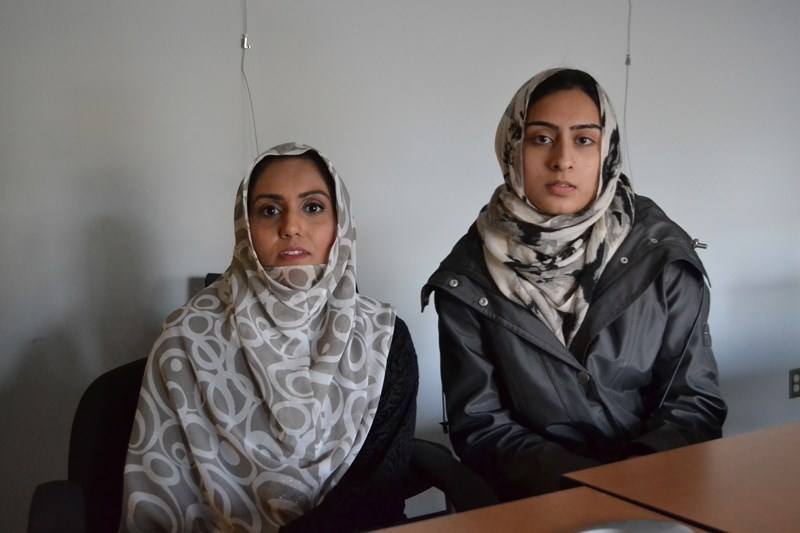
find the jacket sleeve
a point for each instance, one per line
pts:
(685, 402)
(516, 461)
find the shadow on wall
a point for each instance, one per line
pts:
(756, 342)
(107, 322)
(755, 400)
(125, 322)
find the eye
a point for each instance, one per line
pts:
(269, 211)
(584, 141)
(539, 139)
(315, 207)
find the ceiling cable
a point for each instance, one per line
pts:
(627, 78)
(245, 43)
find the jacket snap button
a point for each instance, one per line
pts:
(453, 282)
(584, 378)
(623, 260)
(653, 241)
(483, 302)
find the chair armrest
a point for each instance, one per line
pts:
(433, 464)
(57, 506)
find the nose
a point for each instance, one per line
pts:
(562, 157)
(290, 224)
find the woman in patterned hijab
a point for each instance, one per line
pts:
(279, 395)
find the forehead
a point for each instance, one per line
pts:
(572, 106)
(289, 174)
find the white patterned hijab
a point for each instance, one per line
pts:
(551, 263)
(260, 392)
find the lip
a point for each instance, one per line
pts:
(295, 253)
(561, 188)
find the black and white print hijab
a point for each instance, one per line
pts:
(260, 392)
(551, 263)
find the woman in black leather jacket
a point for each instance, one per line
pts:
(573, 314)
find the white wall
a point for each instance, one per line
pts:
(124, 131)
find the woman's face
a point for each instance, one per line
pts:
(291, 214)
(561, 152)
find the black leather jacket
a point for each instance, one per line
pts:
(638, 377)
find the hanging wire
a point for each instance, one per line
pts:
(245, 47)
(627, 79)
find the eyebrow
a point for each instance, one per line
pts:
(280, 197)
(552, 126)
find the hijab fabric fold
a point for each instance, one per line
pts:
(261, 391)
(551, 263)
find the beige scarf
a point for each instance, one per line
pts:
(555, 276)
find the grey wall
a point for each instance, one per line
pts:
(124, 131)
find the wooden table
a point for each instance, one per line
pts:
(749, 482)
(566, 511)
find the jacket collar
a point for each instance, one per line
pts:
(653, 243)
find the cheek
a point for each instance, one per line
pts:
(261, 243)
(531, 182)
(589, 166)
(531, 167)
(329, 236)
(528, 161)
(594, 175)
(592, 159)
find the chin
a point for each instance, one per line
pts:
(564, 208)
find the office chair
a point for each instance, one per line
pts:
(90, 499)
